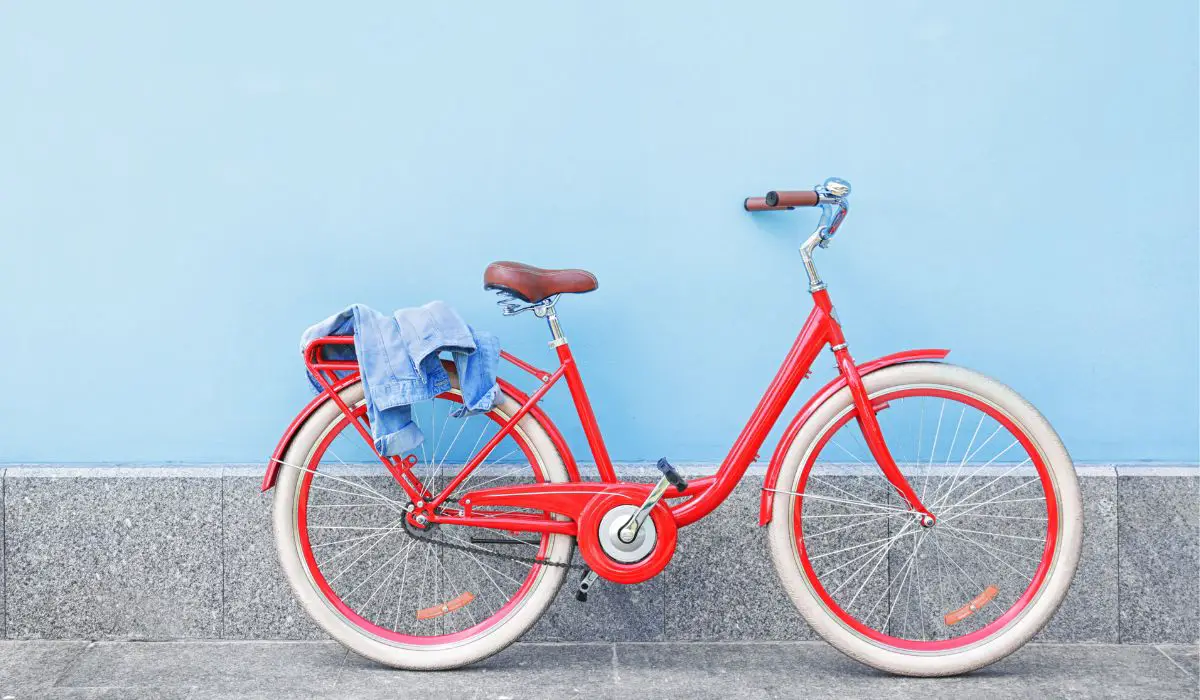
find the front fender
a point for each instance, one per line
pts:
(768, 497)
(319, 400)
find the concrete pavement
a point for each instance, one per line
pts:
(295, 669)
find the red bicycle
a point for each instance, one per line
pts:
(925, 519)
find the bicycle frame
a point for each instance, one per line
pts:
(822, 328)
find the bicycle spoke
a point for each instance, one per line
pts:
(978, 586)
(314, 472)
(348, 527)
(853, 514)
(946, 497)
(382, 537)
(838, 445)
(958, 469)
(371, 575)
(855, 499)
(847, 549)
(954, 440)
(347, 505)
(463, 486)
(907, 569)
(995, 534)
(847, 527)
(973, 514)
(861, 504)
(989, 551)
(904, 531)
(350, 475)
(957, 508)
(352, 539)
(874, 556)
(933, 451)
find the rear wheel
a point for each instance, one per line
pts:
(928, 600)
(440, 597)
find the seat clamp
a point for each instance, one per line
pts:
(557, 342)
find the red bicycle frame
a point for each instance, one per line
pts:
(821, 329)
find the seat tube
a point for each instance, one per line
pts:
(583, 406)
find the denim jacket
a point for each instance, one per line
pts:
(398, 357)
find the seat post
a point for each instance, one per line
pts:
(546, 310)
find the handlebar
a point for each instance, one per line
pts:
(759, 204)
(801, 198)
(782, 200)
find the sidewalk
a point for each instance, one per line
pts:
(230, 669)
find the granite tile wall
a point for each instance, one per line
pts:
(1158, 562)
(112, 553)
(187, 552)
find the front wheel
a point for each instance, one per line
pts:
(923, 600)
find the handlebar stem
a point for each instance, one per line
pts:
(806, 250)
(833, 212)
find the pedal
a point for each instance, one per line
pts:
(585, 583)
(670, 477)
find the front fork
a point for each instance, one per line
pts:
(865, 411)
(868, 422)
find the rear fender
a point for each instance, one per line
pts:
(793, 429)
(321, 399)
(285, 442)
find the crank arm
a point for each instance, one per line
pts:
(669, 478)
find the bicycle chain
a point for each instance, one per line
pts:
(498, 555)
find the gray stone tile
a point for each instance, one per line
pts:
(1186, 656)
(526, 671)
(113, 553)
(613, 612)
(281, 667)
(1089, 613)
(287, 669)
(721, 583)
(35, 664)
(114, 693)
(1159, 554)
(258, 602)
(805, 669)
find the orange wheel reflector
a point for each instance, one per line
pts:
(971, 608)
(449, 606)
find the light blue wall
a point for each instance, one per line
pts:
(184, 189)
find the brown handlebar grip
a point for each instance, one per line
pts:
(759, 204)
(805, 198)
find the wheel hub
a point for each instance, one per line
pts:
(610, 536)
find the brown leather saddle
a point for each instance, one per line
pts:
(533, 284)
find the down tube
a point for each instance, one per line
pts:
(808, 344)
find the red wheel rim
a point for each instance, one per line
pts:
(1001, 622)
